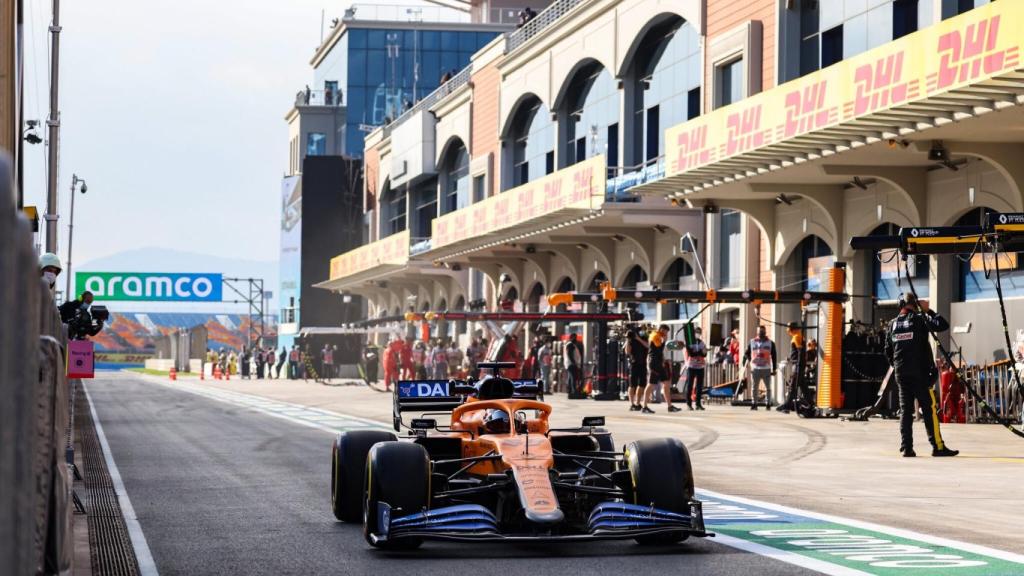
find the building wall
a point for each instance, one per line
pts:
(723, 16)
(484, 145)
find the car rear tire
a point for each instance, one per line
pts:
(662, 477)
(397, 474)
(348, 466)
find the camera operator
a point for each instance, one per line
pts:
(80, 321)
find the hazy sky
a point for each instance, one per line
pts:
(173, 111)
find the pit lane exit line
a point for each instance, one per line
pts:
(825, 543)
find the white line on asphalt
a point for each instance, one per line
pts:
(147, 567)
(898, 532)
(787, 557)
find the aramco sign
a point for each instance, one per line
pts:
(150, 286)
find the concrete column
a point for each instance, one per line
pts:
(942, 284)
(751, 257)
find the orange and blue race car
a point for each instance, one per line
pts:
(498, 471)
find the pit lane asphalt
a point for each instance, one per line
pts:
(224, 490)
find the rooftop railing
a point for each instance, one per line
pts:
(389, 13)
(434, 97)
(319, 98)
(538, 23)
(622, 179)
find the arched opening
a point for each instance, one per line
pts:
(662, 88)
(975, 280)
(454, 178)
(802, 271)
(635, 279)
(535, 299)
(596, 281)
(589, 116)
(529, 148)
(425, 307)
(510, 297)
(392, 210)
(679, 276)
(442, 326)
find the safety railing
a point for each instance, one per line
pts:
(35, 486)
(392, 13)
(420, 245)
(434, 97)
(319, 98)
(995, 383)
(621, 179)
(538, 23)
(720, 381)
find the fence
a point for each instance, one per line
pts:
(996, 384)
(547, 17)
(35, 486)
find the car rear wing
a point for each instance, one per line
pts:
(445, 395)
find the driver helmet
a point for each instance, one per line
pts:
(497, 422)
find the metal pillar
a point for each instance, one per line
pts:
(253, 296)
(53, 123)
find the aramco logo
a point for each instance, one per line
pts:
(150, 286)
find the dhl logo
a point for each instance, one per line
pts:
(582, 181)
(967, 54)
(693, 149)
(744, 131)
(525, 202)
(552, 194)
(805, 109)
(879, 85)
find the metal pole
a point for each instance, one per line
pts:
(53, 122)
(71, 234)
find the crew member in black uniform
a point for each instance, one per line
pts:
(910, 355)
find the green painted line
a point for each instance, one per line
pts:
(835, 545)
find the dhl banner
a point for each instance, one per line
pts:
(958, 52)
(580, 186)
(391, 250)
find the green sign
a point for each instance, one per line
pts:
(150, 286)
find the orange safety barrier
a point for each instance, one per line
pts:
(173, 373)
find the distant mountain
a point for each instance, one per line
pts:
(154, 259)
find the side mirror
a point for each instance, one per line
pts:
(423, 424)
(591, 421)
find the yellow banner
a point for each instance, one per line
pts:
(958, 52)
(580, 186)
(392, 250)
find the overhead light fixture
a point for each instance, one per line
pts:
(970, 195)
(618, 237)
(531, 249)
(938, 152)
(783, 199)
(581, 246)
(859, 183)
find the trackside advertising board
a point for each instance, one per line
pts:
(150, 286)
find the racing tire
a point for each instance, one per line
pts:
(348, 466)
(398, 474)
(662, 477)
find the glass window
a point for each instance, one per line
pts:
(456, 181)
(977, 274)
(668, 86)
(467, 42)
(532, 145)
(430, 40)
(393, 209)
(593, 106)
(730, 82)
(679, 276)
(357, 68)
(952, 8)
(479, 190)
(815, 255)
(376, 39)
(730, 249)
(889, 274)
(449, 41)
(357, 38)
(316, 144)
(828, 31)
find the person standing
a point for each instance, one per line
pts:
(439, 361)
(636, 350)
(405, 359)
(391, 364)
(572, 361)
(473, 355)
(733, 347)
(281, 358)
(696, 354)
(261, 362)
(454, 357)
(910, 355)
(245, 359)
(658, 370)
(544, 357)
(293, 362)
(762, 360)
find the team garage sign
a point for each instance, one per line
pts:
(150, 286)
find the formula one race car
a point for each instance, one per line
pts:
(499, 472)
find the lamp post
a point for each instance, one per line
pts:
(79, 183)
